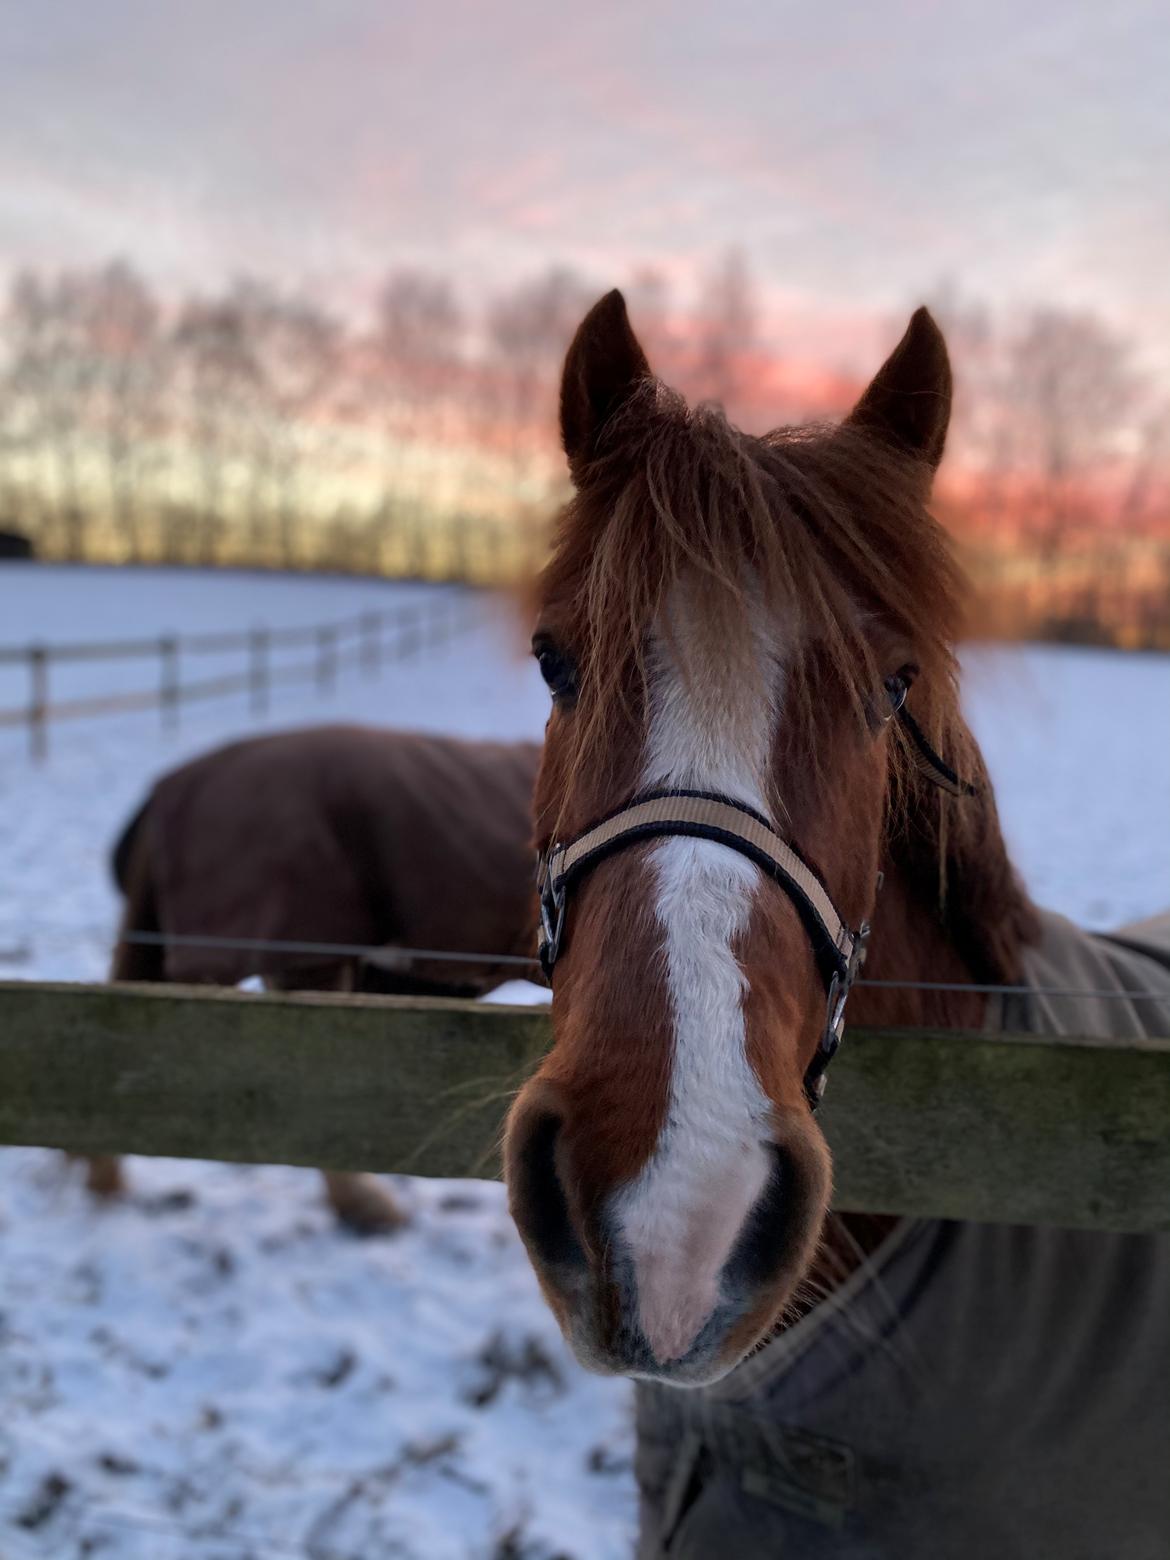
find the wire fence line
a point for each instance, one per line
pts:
(396, 956)
(366, 641)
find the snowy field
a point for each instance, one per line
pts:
(212, 1370)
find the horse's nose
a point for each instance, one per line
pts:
(675, 1274)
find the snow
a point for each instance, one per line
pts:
(1078, 745)
(212, 1369)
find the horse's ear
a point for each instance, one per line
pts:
(604, 365)
(908, 402)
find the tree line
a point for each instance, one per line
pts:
(254, 424)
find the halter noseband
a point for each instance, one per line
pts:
(703, 815)
(839, 951)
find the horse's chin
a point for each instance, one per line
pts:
(726, 1341)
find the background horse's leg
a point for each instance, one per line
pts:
(104, 1176)
(362, 1202)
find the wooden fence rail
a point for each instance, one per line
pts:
(1018, 1129)
(365, 641)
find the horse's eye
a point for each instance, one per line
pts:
(897, 686)
(556, 669)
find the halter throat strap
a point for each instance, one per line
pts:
(837, 949)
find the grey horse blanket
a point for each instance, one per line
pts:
(975, 1392)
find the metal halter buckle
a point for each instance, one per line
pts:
(839, 989)
(552, 915)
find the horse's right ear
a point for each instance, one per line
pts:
(603, 368)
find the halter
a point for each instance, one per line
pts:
(839, 951)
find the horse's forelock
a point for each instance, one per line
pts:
(828, 527)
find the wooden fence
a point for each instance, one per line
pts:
(367, 640)
(1018, 1129)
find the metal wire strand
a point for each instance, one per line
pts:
(390, 955)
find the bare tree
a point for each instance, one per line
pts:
(52, 372)
(419, 333)
(726, 329)
(649, 298)
(529, 330)
(416, 349)
(222, 381)
(1071, 390)
(129, 367)
(295, 348)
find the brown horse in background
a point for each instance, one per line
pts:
(332, 835)
(734, 631)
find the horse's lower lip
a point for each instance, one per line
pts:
(620, 1349)
(697, 1369)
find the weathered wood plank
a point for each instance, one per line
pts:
(1019, 1129)
(310, 1079)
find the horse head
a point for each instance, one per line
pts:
(727, 625)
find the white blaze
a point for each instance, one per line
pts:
(681, 1215)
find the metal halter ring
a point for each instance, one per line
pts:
(839, 989)
(552, 917)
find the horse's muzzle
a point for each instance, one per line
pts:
(680, 1289)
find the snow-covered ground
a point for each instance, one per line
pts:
(212, 1369)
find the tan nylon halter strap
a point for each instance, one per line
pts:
(706, 817)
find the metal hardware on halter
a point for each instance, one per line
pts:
(552, 915)
(831, 1036)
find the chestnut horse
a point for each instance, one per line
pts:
(332, 835)
(734, 631)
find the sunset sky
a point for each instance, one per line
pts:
(860, 155)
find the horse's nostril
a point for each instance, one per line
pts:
(538, 1200)
(762, 1248)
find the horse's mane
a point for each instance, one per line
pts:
(827, 527)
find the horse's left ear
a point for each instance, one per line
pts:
(605, 364)
(908, 402)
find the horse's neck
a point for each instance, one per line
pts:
(911, 942)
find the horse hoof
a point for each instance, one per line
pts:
(364, 1206)
(375, 1218)
(104, 1177)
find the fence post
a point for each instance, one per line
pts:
(371, 652)
(326, 658)
(407, 638)
(258, 671)
(168, 682)
(38, 701)
(459, 567)
(419, 552)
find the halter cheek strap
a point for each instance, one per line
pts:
(931, 764)
(837, 949)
